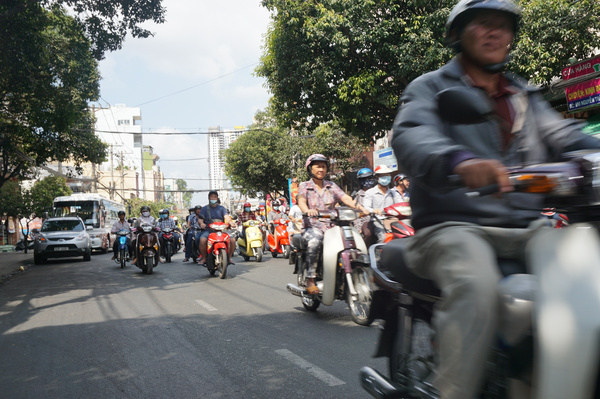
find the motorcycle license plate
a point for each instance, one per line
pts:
(61, 248)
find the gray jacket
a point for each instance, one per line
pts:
(424, 146)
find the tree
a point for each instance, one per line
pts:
(187, 197)
(261, 160)
(135, 204)
(44, 191)
(16, 202)
(349, 61)
(49, 73)
(105, 22)
(47, 77)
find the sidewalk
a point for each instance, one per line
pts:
(11, 261)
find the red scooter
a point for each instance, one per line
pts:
(218, 249)
(279, 243)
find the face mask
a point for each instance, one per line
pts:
(145, 214)
(213, 202)
(275, 208)
(163, 216)
(246, 209)
(385, 180)
(367, 184)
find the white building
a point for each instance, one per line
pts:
(218, 141)
(120, 127)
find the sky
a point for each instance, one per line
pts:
(195, 73)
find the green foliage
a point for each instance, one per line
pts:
(12, 200)
(349, 60)
(552, 31)
(47, 77)
(135, 205)
(260, 161)
(187, 197)
(44, 191)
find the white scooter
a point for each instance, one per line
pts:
(343, 269)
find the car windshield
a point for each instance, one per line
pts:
(62, 225)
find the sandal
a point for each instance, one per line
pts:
(313, 290)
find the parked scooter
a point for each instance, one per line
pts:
(563, 293)
(253, 244)
(147, 248)
(217, 249)
(342, 271)
(279, 242)
(170, 246)
(123, 252)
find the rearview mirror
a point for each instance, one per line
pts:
(464, 105)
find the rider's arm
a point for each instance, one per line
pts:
(348, 201)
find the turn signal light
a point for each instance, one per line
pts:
(536, 183)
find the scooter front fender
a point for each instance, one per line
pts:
(333, 244)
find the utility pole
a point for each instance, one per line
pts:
(122, 177)
(112, 175)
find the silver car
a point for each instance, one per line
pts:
(62, 237)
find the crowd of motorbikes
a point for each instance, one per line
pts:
(375, 283)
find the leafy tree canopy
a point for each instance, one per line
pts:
(350, 60)
(44, 191)
(260, 161)
(187, 197)
(134, 207)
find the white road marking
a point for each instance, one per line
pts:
(310, 368)
(166, 280)
(206, 305)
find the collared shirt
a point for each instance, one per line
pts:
(405, 197)
(164, 223)
(118, 226)
(144, 220)
(276, 215)
(328, 198)
(245, 216)
(376, 199)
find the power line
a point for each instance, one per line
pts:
(199, 84)
(188, 159)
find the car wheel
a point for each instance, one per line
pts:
(37, 258)
(87, 256)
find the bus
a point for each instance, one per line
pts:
(96, 211)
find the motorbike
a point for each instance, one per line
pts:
(147, 248)
(544, 318)
(279, 242)
(170, 247)
(217, 249)
(123, 252)
(342, 270)
(253, 244)
(400, 227)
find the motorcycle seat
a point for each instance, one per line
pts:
(298, 242)
(393, 263)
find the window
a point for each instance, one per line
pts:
(125, 122)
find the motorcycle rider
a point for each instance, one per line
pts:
(213, 213)
(145, 218)
(164, 221)
(314, 195)
(376, 199)
(401, 184)
(244, 216)
(196, 225)
(117, 226)
(275, 214)
(365, 181)
(458, 240)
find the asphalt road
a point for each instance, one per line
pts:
(73, 329)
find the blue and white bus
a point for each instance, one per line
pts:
(95, 210)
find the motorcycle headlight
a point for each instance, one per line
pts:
(347, 214)
(147, 228)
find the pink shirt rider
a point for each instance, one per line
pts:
(327, 199)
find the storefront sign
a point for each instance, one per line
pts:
(385, 157)
(581, 68)
(583, 95)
